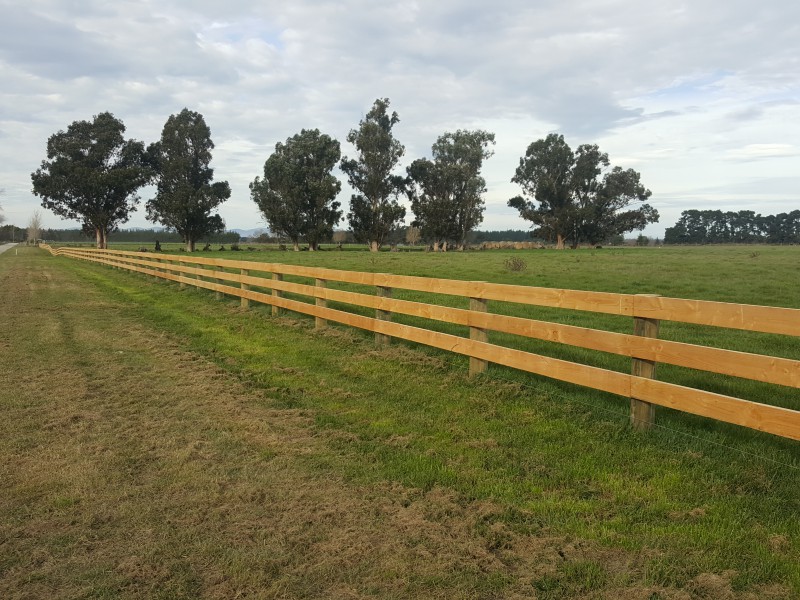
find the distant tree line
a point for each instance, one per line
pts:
(507, 235)
(741, 227)
(134, 235)
(93, 174)
(398, 235)
(12, 233)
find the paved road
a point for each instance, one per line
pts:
(4, 247)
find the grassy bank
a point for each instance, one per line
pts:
(523, 487)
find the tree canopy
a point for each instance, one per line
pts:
(92, 175)
(297, 194)
(446, 192)
(375, 210)
(571, 201)
(186, 194)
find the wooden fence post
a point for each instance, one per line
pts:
(477, 365)
(217, 294)
(643, 414)
(382, 339)
(245, 287)
(276, 310)
(181, 274)
(319, 322)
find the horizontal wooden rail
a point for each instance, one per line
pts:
(765, 319)
(243, 277)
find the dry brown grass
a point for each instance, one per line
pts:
(133, 468)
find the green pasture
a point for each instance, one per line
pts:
(693, 497)
(766, 275)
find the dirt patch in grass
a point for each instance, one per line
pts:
(134, 468)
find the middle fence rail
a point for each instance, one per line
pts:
(237, 278)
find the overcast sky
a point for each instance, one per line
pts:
(701, 97)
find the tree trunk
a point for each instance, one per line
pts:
(559, 241)
(373, 246)
(312, 246)
(190, 245)
(297, 246)
(435, 246)
(444, 246)
(102, 238)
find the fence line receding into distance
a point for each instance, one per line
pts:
(238, 278)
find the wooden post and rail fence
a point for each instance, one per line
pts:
(237, 278)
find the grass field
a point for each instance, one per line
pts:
(162, 443)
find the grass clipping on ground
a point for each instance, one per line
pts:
(133, 467)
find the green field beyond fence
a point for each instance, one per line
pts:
(373, 302)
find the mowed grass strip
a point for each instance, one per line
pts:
(561, 499)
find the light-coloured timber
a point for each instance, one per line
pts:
(765, 319)
(381, 314)
(276, 293)
(476, 365)
(244, 287)
(745, 365)
(771, 419)
(643, 414)
(319, 322)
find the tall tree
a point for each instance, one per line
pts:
(186, 196)
(298, 191)
(446, 195)
(574, 202)
(92, 175)
(375, 210)
(431, 202)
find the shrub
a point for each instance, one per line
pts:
(515, 264)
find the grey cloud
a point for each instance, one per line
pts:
(261, 71)
(52, 49)
(757, 111)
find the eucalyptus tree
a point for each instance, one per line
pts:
(92, 174)
(375, 210)
(575, 195)
(447, 192)
(297, 194)
(186, 195)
